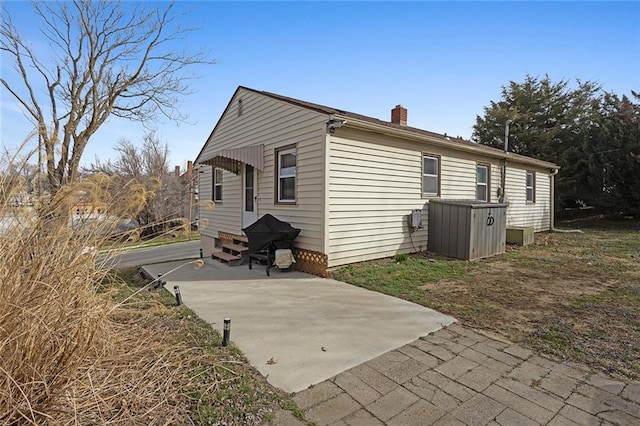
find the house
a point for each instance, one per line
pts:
(348, 181)
(82, 208)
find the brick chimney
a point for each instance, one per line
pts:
(177, 172)
(399, 115)
(189, 169)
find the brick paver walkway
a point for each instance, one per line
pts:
(459, 377)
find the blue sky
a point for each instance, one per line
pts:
(444, 61)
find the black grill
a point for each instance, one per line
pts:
(266, 235)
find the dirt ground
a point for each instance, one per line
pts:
(571, 296)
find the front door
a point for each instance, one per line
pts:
(249, 196)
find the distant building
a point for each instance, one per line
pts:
(87, 209)
(189, 188)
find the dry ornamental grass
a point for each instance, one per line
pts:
(74, 350)
(66, 350)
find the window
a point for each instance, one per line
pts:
(531, 187)
(286, 175)
(217, 184)
(430, 175)
(482, 182)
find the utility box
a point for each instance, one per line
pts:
(415, 219)
(467, 229)
(522, 236)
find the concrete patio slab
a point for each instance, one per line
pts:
(298, 329)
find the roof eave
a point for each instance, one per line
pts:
(407, 134)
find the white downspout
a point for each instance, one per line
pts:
(552, 213)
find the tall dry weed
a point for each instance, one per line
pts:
(68, 353)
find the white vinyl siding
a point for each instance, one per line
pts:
(523, 213)
(275, 124)
(458, 181)
(374, 184)
(212, 214)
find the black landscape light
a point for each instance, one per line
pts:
(176, 290)
(226, 331)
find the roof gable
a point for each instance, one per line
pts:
(224, 113)
(249, 107)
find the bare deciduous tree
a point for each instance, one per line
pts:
(147, 166)
(105, 58)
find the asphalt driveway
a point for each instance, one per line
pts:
(298, 329)
(129, 257)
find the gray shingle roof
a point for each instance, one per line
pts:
(453, 141)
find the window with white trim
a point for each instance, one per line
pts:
(286, 178)
(430, 175)
(482, 182)
(531, 187)
(217, 184)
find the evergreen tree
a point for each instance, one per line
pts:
(610, 175)
(594, 137)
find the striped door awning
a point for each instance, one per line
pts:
(231, 159)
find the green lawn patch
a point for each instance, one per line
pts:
(404, 278)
